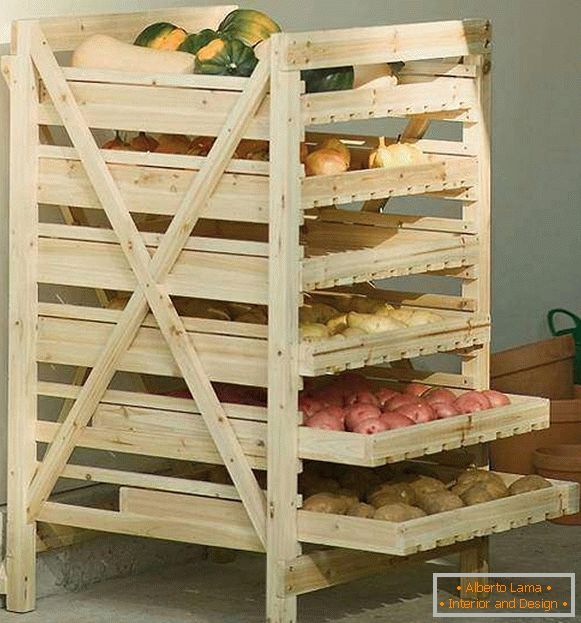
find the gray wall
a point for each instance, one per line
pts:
(536, 100)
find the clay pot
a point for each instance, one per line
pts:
(561, 462)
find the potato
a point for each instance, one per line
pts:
(317, 313)
(349, 496)
(398, 512)
(352, 332)
(419, 318)
(325, 503)
(337, 324)
(425, 484)
(470, 477)
(370, 323)
(532, 482)
(392, 492)
(483, 491)
(313, 483)
(439, 501)
(361, 510)
(313, 331)
(366, 305)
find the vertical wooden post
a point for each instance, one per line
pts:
(474, 560)
(477, 135)
(283, 335)
(21, 538)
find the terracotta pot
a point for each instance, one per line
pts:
(562, 462)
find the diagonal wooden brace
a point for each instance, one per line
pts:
(149, 272)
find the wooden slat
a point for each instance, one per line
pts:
(384, 44)
(164, 161)
(251, 435)
(429, 377)
(22, 377)
(150, 481)
(429, 532)
(151, 401)
(331, 567)
(435, 95)
(440, 173)
(79, 343)
(168, 446)
(154, 190)
(438, 68)
(65, 33)
(194, 81)
(168, 110)
(212, 527)
(194, 325)
(196, 274)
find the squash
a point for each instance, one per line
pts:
(328, 79)
(196, 41)
(161, 36)
(249, 26)
(104, 52)
(226, 57)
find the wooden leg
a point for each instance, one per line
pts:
(474, 560)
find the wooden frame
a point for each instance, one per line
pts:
(242, 232)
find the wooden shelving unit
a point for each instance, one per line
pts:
(243, 232)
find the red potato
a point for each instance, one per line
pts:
(399, 401)
(330, 395)
(336, 412)
(362, 398)
(370, 426)
(394, 420)
(443, 410)
(440, 394)
(309, 405)
(471, 402)
(496, 399)
(324, 421)
(385, 394)
(359, 412)
(416, 389)
(418, 411)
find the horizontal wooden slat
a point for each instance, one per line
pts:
(383, 44)
(211, 529)
(400, 221)
(152, 240)
(227, 522)
(369, 350)
(251, 435)
(445, 528)
(150, 481)
(153, 190)
(161, 160)
(66, 32)
(187, 81)
(150, 401)
(438, 68)
(439, 174)
(169, 446)
(79, 343)
(151, 109)
(436, 95)
(197, 274)
(429, 377)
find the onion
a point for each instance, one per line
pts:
(325, 162)
(496, 399)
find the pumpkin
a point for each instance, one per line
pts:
(226, 57)
(161, 36)
(249, 26)
(328, 79)
(195, 42)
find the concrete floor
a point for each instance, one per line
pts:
(206, 592)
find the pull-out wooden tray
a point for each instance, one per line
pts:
(455, 330)
(523, 415)
(426, 533)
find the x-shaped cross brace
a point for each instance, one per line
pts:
(151, 292)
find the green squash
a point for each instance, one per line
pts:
(196, 41)
(225, 57)
(161, 36)
(249, 26)
(328, 79)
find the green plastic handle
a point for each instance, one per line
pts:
(551, 319)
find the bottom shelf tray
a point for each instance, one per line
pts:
(425, 533)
